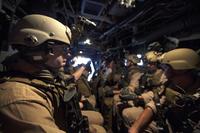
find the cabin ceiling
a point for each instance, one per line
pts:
(112, 23)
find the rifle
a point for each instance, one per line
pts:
(127, 96)
(76, 122)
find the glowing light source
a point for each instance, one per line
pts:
(139, 55)
(141, 61)
(78, 60)
(127, 3)
(87, 41)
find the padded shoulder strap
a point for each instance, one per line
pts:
(25, 80)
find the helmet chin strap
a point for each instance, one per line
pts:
(51, 53)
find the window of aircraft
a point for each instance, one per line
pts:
(78, 60)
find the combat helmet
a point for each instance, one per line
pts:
(33, 30)
(182, 59)
(152, 56)
(133, 58)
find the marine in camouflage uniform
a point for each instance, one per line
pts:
(133, 72)
(31, 90)
(152, 79)
(174, 107)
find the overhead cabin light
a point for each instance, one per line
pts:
(127, 3)
(87, 41)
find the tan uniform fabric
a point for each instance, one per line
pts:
(86, 91)
(131, 114)
(132, 70)
(26, 109)
(159, 77)
(95, 120)
(83, 86)
(97, 129)
(133, 76)
(169, 95)
(19, 107)
(92, 100)
(134, 81)
(93, 117)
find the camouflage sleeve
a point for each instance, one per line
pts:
(147, 96)
(163, 79)
(152, 105)
(134, 81)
